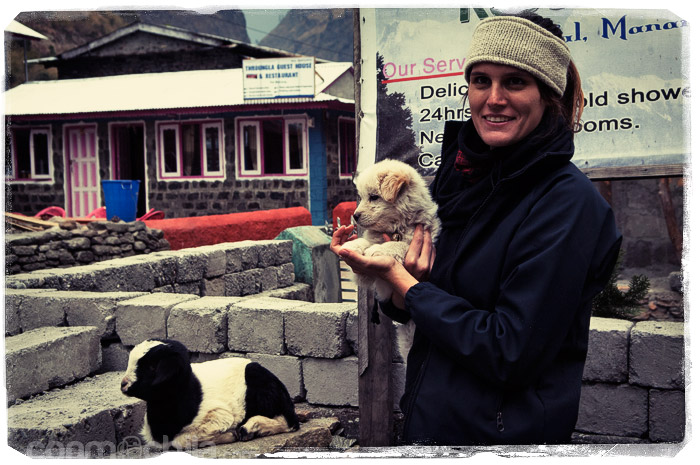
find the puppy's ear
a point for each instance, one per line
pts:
(392, 184)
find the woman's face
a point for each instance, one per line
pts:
(505, 103)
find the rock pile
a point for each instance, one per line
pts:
(69, 244)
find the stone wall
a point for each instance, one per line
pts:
(339, 189)
(240, 299)
(634, 386)
(640, 218)
(227, 300)
(69, 244)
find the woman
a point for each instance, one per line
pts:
(502, 303)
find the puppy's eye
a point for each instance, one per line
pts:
(373, 197)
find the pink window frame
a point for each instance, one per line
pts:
(32, 175)
(260, 171)
(203, 124)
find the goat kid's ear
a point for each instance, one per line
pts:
(166, 369)
(392, 184)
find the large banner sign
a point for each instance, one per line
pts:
(278, 78)
(633, 67)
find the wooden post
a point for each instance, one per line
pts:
(374, 341)
(374, 371)
(605, 189)
(669, 211)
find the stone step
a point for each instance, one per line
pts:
(317, 435)
(49, 357)
(91, 417)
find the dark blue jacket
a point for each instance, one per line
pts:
(502, 325)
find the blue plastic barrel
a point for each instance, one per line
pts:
(121, 197)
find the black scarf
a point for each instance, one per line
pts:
(472, 170)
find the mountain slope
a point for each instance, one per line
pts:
(70, 29)
(324, 33)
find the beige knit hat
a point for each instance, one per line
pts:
(518, 42)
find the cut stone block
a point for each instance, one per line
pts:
(657, 354)
(202, 324)
(257, 325)
(48, 357)
(607, 350)
(287, 369)
(610, 409)
(318, 330)
(331, 382)
(13, 300)
(92, 417)
(146, 317)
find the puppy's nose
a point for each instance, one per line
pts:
(357, 216)
(125, 384)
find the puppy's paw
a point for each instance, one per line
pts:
(358, 245)
(396, 250)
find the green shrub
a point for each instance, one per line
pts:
(614, 303)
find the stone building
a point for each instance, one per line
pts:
(167, 107)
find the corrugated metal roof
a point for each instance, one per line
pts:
(154, 91)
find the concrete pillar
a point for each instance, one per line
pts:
(314, 263)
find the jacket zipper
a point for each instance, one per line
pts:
(500, 427)
(414, 392)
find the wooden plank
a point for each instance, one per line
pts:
(374, 341)
(632, 172)
(674, 232)
(29, 223)
(374, 375)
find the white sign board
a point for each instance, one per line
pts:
(633, 67)
(278, 78)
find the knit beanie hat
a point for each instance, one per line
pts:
(518, 42)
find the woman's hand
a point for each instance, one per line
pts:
(421, 254)
(340, 236)
(378, 266)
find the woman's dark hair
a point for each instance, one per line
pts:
(570, 105)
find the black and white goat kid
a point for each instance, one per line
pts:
(200, 404)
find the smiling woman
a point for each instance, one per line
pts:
(505, 102)
(502, 313)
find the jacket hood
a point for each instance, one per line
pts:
(549, 146)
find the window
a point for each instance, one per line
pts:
(191, 149)
(272, 147)
(31, 155)
(347, 150)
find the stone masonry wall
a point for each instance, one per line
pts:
(227, 300)
(69, 244)
(634, 386)
(240, 299)
(339, 189)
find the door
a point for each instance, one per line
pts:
(82, 173)
(127, 142)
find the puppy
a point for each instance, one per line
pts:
(394, 199)
(201, 404)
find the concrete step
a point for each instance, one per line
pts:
(316, 435)
(91, 417)
(49, 357)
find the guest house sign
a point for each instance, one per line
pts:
(633, 66)
(278, 78)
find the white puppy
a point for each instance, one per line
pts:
(394, 199)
